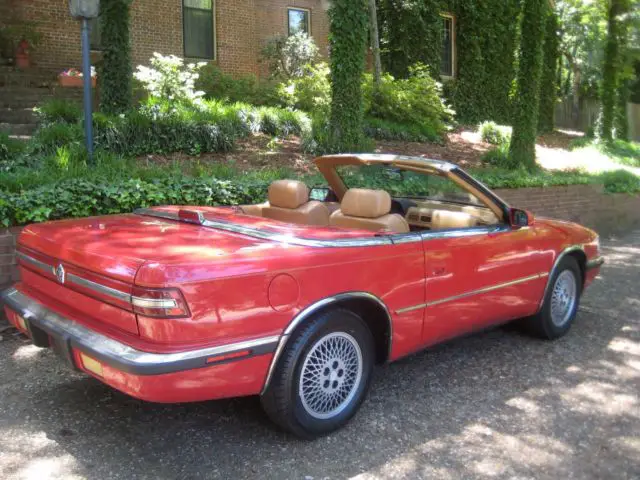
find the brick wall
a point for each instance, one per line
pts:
(584, 204)
(243, 26)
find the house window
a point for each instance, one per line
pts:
(447, 66)
(95, 33)
(199, 28)
(299, 21)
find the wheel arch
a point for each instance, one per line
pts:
(369, 307)
(575, 251)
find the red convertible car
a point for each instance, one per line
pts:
(296, 299)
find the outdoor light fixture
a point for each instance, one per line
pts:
(84, 10)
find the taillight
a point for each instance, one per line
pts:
(159, 302)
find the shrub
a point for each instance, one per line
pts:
(318, 140)
(309, 92)
(494, 134)
(59, 110)
(49, 137)
(386, 130)
(278, 122)
(286, 57)
(499, 157)
(218, 85)
(9, 147)
(621, 181)
(412, 101)
(169, 78)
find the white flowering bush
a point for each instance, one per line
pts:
(287, 57)
(169, 78)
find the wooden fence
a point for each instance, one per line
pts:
(587, 115)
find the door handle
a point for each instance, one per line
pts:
(438, 271)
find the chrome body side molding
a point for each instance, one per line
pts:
(489, 288)
(307, 312)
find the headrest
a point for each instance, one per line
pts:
(442, 219)
(288, 194)
(359, 202)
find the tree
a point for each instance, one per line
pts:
(548, 82)
(115, 73)
(349, 21)
(375, 43)
(523, 139)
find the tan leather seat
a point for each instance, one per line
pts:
(289, 202)
(368, 210)
(443, 219)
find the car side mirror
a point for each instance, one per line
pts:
(322, 194)
(520, 218)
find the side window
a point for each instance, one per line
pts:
(95, 33)
(299, 21)
(447, 65)
(199, 28)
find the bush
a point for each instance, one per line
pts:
(59, 110)
(309, 92)
(318, 140)
(49, 137)
(218, 85)
(499, 157)
(494, 134)
(9, 147)
(386, 130)
(169, 78)
(414, 101)
(621, 181)
(287, 57)
(81, 198)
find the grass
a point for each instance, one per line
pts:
(619, 151)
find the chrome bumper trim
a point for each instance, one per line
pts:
(119, 355)
(595, 263)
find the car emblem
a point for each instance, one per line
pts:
(60, 273)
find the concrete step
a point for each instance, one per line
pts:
(33, 76)
(22, 97)
(18, 115)
(18, 129)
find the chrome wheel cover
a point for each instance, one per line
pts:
(563, 298)
(330, 375)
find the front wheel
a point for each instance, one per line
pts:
(323, 375)
(560, 304)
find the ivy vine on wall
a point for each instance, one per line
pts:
(349, 20)
(548, 82)
(115, 72)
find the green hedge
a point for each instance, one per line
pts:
(81, 198)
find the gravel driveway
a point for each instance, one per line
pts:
(493, 405)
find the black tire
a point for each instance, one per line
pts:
(542, 325)
(282, 400)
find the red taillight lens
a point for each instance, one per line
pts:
(159, 302)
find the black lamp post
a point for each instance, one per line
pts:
(84, 10)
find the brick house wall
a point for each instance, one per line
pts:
(242, 28)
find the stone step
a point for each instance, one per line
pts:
(18, 129)
(22, 97)
(30, 77)
(17, 115)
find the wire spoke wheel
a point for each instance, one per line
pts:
(563, 298)
(330, 375)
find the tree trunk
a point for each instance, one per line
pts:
(375, 43)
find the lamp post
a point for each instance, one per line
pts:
(84, 10)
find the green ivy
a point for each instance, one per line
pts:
(485, 39)
(115, 72)
(404, 21)
(548, 82)
(525, 116)
(348, 39)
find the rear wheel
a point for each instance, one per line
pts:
(560, 303)
(323, 375)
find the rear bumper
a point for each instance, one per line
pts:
(240, 368)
